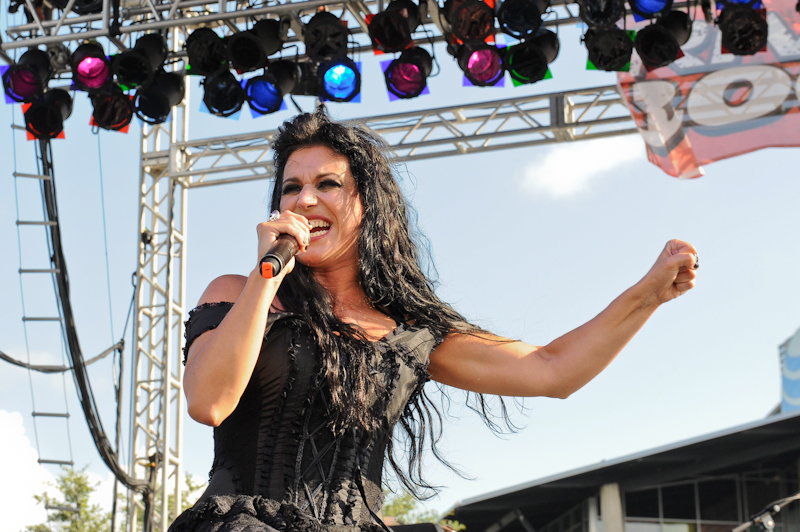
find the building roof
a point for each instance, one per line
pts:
(774, 439)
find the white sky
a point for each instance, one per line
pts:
(575, 225)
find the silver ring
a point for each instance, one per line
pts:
(273, 216)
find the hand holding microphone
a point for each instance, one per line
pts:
(291, 233)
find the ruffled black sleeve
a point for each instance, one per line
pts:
(201, 319)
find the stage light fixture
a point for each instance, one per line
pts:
(81, 7)
(339, 79)
(44, 119)
(113, 109)
(154, 101)
(659, 44)
(26, 80)
(609, 49)
(482, 64)
(406, 76)
(744, 30)
(91, 70)
(223, 94)
(325, 37)
(391, 29)
(60, 56)
(207, 52)
(601, 13)
(137, 66)
(265, 93)
(651, 8)
(472, 21)
(521, 18)
(248, 50)
(527, 62)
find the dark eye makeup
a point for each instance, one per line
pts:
(292, 188)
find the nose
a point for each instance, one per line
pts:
(307, 197)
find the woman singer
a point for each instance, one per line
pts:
(307, 376)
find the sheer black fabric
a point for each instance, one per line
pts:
(277, 464)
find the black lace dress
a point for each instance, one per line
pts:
(277, 465)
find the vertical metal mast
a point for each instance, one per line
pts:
(157, 396)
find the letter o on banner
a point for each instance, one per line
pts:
(738, 94)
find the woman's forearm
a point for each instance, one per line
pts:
(220, 367)
(578, 356)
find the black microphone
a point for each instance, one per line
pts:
(281, 252)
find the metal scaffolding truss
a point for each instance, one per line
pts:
(456, 130)
(157, 397)
(32, 27)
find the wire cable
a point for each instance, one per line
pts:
(105, 237)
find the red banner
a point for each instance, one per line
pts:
(710, 105)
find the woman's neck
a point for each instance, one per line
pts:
(343, 284)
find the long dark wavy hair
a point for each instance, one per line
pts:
(391, 275)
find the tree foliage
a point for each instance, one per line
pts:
(75, 490)
(77, 514)
(406, 511)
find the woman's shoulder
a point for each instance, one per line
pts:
(225, 288)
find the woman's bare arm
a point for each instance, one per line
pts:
(488, 364)
(220, 362)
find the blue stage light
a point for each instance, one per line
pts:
(340, 80)
(265, 93)
(651, 8)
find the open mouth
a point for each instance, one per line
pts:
(319, 228)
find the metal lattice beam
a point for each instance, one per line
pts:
(417, 135)
(157, 397)
(141, 16)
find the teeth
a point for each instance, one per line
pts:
(319, 223)
(320, 233)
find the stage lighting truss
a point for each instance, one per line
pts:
(138, 65)
(339, 80)
(44, 119)
(521, 18)
(26, 80)
(471, 21)
(660, 43)
(325, 37)
(609, 49)
(527, 62)
(744, 29)
(265, 93)
(248, 50)
(112, 110)
(391, 29)
(91, 70)
(482, 64)
(599, 14)
(154, 101)
(406, 76)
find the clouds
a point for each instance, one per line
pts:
(568, 169)
(22, 476)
